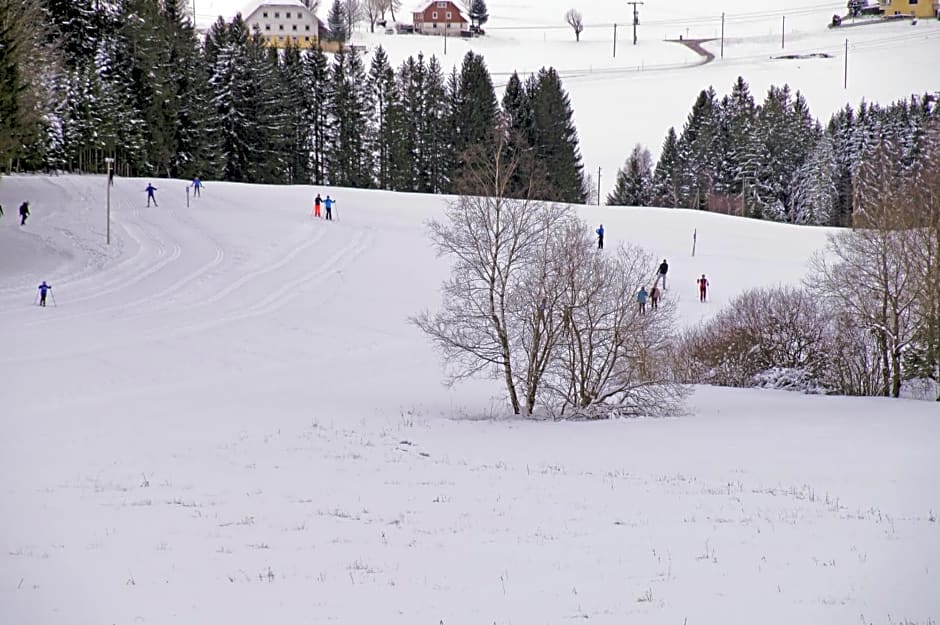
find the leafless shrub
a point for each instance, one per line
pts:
(576, 20)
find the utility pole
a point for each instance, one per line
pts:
(598, 186)
(722, 35)
(783, 32)
(615, 40)
(636, 18)
(108, 179)
(845, 75)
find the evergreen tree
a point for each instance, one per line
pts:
(736, 115)
(784, 134)
(517, 117)
(20, 118)
(665, 184)
(473, 106)
(349, 161)
(478, 12)
(438, 152)
(697, 162)
(336, 20)
(194, 131)
(77, 28)
(316, 86)
(839, 132)
(634, 180)
(814, 187)
(383, 93)
(554, 138)
(297, 124)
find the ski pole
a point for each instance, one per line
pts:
(53, 298)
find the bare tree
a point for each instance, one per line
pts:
(375, 12)
(312, 5)
(576, 21)
(394, 5)
(922, 251)
(614, 359)
(494, 241)
(869, 275)
(354, 13)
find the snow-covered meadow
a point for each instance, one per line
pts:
(635, 96)
(226, 418)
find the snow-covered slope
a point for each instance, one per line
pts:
(226, 418)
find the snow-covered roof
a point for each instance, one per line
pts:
(254, 5)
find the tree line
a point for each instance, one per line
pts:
(131, 80)
(772, 160)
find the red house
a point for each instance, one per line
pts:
(438, 18)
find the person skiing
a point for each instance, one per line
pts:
(328, 204)
(316, 205)
(641, 296)
(655, 294)
(661, 274)
(197, 187)
(150, 196)
(702, 288)
(600, 237)
(43, 289)
(24, 213)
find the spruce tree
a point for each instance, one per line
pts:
(349, 160)
(194, 130)
(634, 180)
(517, 117)
(316, 80)
(473, 107)
(698, 150)
(478, 12)
(387, 108)
(336, 20)
(665, 182)
(554, 138)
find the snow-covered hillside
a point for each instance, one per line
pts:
(638, 94)
(224, 417)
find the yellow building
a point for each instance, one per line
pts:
(283, 21)
(915, 8)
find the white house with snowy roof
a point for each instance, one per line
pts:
(283, 22)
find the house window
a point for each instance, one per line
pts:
(912, 1)
(267, 27)
(294, 27)
(287, 15)
(441, 5)
(434, 15)
(280, 26)
(307, 27)
(434, 25)
(450, 15)
(306, 38)
(277, 15)
(265, 14)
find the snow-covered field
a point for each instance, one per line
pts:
(637, 95)
(226, 418)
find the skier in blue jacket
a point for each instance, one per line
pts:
(600, 237)
(150, 196)
(328, 205)
(641, 296)
(43, 289)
